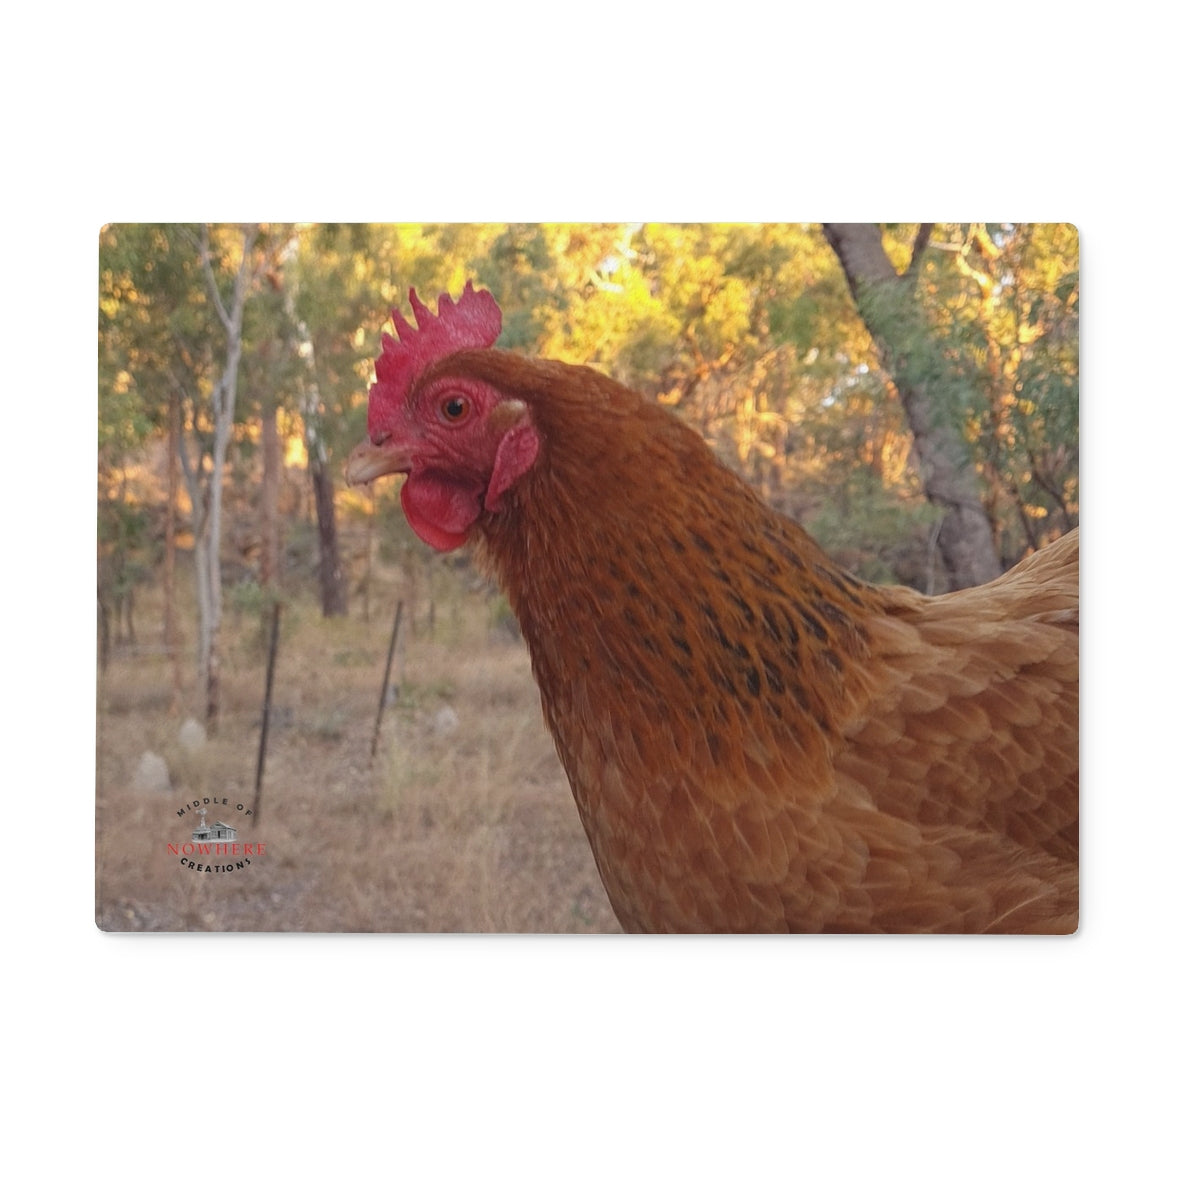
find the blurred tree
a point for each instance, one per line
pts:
(312, 410)
(748, 331)
(136, 376)
(207, 490)
(172, 311)
(977, 326)
(909, 352)
(1003, 300)
(338, 281)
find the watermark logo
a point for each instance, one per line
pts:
(214, 848)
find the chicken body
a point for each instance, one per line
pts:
(756, 740)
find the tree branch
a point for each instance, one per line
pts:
(920, 245)
(211, 279)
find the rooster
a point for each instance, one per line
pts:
(756, 740)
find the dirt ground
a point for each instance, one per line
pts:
(463, 823)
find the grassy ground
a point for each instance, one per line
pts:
(462, 823)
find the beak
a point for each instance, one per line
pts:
(368, 461)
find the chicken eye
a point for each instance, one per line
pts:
(454, 408)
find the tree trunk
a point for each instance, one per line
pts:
(170, 620)
(224, 399)
(893, 317)
(206, 623)
(333, 583)
(272, 455)
(103, 627)
(332, 579)
(366, 583)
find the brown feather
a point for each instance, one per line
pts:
(755, 739)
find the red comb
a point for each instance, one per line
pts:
(471, 324)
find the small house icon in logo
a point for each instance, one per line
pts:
(218, 831)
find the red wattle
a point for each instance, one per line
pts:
(440, 509)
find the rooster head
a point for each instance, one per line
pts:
(461, 443)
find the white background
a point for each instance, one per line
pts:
(357, 1066)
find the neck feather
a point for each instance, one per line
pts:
(643, 571)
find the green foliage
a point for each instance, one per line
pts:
(748, 331)
(253, 609)
(1003, 301)
(881, 537)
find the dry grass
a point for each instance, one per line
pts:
(464, 829)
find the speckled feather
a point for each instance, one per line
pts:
(756, 740)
